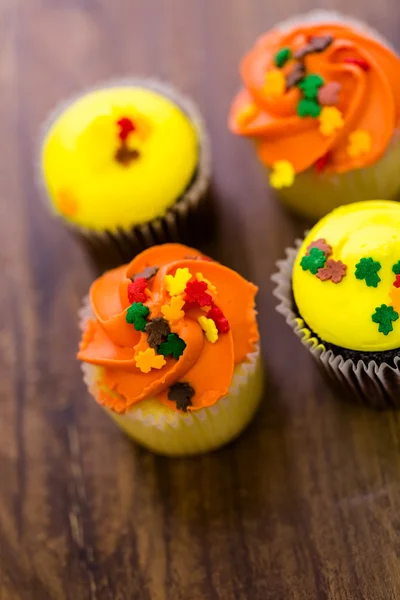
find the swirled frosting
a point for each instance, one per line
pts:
(211, 326)
(288, 121)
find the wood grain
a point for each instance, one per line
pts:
(306, 503)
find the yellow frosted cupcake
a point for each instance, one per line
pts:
(170, 349)
(340, 292)
(126, 163)
(321, 101)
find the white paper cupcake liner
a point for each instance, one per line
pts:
(367, 383)
(174, 433)
(179, 219)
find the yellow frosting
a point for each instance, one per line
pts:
(342, 313)
(90, 187)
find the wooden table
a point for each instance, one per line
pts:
(306, 504)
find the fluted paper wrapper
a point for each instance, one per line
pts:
(182, 219)
(175, 433)
(366, 383)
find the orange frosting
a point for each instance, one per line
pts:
(112, 343)
(369, 99)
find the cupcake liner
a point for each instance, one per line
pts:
(364, 382)
(114, 247)
(174, 433)
(316, 194)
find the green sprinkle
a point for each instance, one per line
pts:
(396, 268)
(282, 57)
(310, 86)
(384, 315)
(313, 261)
(136, 315)
(308, 108)
(174, 345)
(368, 269)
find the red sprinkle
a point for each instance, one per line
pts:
(196, 291)
(321, 162)
(136, 290)
(219, 319)
(126, 127)
(359, 62)
(397, 281)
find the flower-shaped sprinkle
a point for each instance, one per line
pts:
(275, 84)
(173, 311)
(310, 86)
(368, 269)
(330, 120)
(219, 319)
(181, 393)
(328, 94)
(196, 292)
(321, 245)
(282, 56)
(175, 284)
(173, 346)
(136, 315)
(394, 296)
(396, 268)
(308, 108)
(282, 174)
(296, 75)
(209, 328)
(313, 261)
(157, 330)
(384, 315)
(146, 360)
(211, 287)
(136, 290)
(334, 270)
(360, 142)
(396, 282)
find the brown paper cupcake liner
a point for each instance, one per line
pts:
(364, 382)
(183, 220)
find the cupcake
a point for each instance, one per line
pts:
(339, 290)
(126, 166)
(321, 100)
(170, 349)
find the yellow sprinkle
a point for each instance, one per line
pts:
(275, 83)
(360, 142)
(175, 284)
(282, 175)
(148, 359)
(209, 328)
(173, 311)
(211, 287)
(330, 120)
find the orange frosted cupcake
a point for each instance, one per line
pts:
(170, 349)
(321, 100)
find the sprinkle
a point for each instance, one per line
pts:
(173, 311)
(148, 359)
(246, 114)
(396, 283)
(282, 56)
(125, 155)
(359, 62)
(157, 329)
(175, 284)
(396, 268)
(296, 75)
(384, 315)
(196, 292)
(308, 108)
(136, 290)
(181, 393)
(136, 315)
(368, 269)
(310, 86)
(147, 273)
(173, 346)
(211, 287)
(394, 296)
(321, 245)
(328, 94)
(316, 44)
(313, 261)
(209, 328)
(275, 84)
(321, 162)
(126, 127)
(330, 120)
(360, 142)
(219, 319)
(282, 175)
(334, 270)
(67, 204)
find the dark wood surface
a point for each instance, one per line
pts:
(306, 504)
